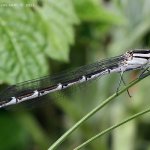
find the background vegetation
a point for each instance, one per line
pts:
(54, 35)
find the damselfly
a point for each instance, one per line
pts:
(131, 60)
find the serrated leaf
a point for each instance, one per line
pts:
(58, 17)
(20, 48)
(30, 34)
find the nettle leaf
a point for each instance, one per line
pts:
(31, 34)
(58, 18)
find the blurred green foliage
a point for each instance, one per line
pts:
(57, 34)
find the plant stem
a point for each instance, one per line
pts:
(112, 127)
(91, 113)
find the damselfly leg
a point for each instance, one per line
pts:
(143, 72)
(121, 80)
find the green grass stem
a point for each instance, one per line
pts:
(92, 112)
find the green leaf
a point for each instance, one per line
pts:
(58, 18)
(30, 34)
(21, 46)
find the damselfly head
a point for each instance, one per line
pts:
(139, 53)
(144, 54)
(142, 51)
